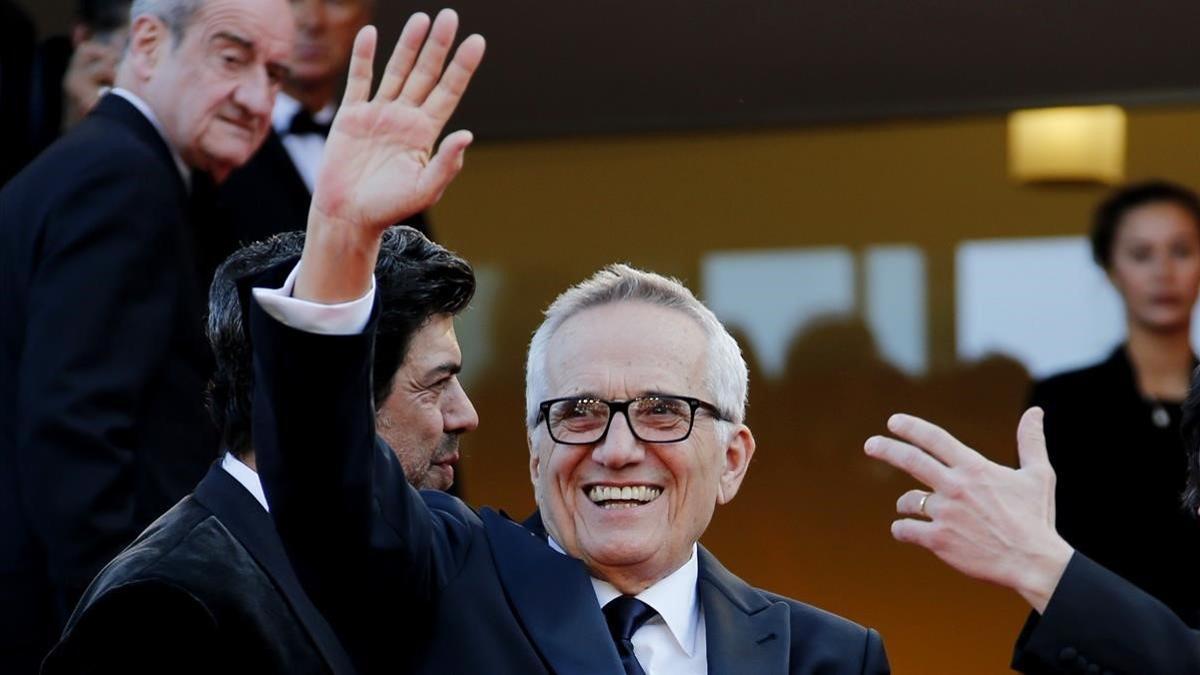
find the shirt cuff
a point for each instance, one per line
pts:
(344, 318)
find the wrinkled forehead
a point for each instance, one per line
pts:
(627, 348)
(264, 25)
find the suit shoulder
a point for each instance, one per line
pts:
(143, 560)
(812, 620)
(99, 148)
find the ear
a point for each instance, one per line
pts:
(149, 39)
(738, 453)
(535, 465)
(80, 33)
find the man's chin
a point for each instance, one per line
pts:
(438, 477)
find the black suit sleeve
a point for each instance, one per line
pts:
(362, 541)
(1097, 618)
(101, 302)
(143, 628)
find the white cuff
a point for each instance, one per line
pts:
(344, 318)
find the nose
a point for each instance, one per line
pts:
(618, 448)
(255, 94)
(459, 415)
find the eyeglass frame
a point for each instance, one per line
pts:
(622, 407)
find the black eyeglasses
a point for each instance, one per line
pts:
(651, 419)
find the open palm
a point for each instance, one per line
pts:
(379, 165)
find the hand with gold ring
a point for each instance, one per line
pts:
(988, 521)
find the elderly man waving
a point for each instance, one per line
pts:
(636, 396)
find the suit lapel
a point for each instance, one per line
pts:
(746, 632)
(251, 525)
(553, 599)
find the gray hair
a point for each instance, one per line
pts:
(727, 377)
(177, 14)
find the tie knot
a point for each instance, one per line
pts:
(304, 123)
(625, 615)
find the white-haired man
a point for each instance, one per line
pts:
(102, 358)
(636, 399)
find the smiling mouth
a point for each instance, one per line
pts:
(622, 497)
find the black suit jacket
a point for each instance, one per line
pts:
(207, 589)
(471, 591)
(102, 365)
(1096, 622)
(265, 197)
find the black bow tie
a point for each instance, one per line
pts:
(303, 123)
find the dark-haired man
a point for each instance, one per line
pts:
(208, 586)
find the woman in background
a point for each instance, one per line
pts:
(1112, 429)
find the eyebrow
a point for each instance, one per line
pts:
(244, 43)
(447, 368)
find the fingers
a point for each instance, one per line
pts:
(932, 439)
(1031, 439)
(362, 58)
(911, 503)
(449, 91)
(433, 56)
(912, 531)
(403, 56)
(909, 459)
(445, 165)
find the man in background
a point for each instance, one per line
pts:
(272, 192)
(103, 361)
(71, 73)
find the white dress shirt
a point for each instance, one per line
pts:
(246, 476)
(306, 150)
(672, 643)
(144, 108)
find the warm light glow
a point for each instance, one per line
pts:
(1067, 144)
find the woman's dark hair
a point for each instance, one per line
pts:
(1189, 428)
(1112, 211)
(415, 280)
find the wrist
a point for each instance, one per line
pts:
(1041, 573)
(338, 261)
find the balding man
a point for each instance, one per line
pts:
(102, 359)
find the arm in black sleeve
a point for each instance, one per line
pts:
(362, 541)
(1097, 618)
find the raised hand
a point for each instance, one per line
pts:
(379, 165)
(985, 520)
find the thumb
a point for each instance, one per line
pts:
(445, 165)
(1031, 439)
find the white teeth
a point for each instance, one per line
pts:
(625, 495)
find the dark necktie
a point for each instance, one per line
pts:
(625, 615)
(303, 123)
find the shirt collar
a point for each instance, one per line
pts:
(674, 597)
(246, 476)
(286, 108)
(184, 170)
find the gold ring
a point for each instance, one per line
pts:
(921, 506)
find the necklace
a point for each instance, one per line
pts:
(1158, 414)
